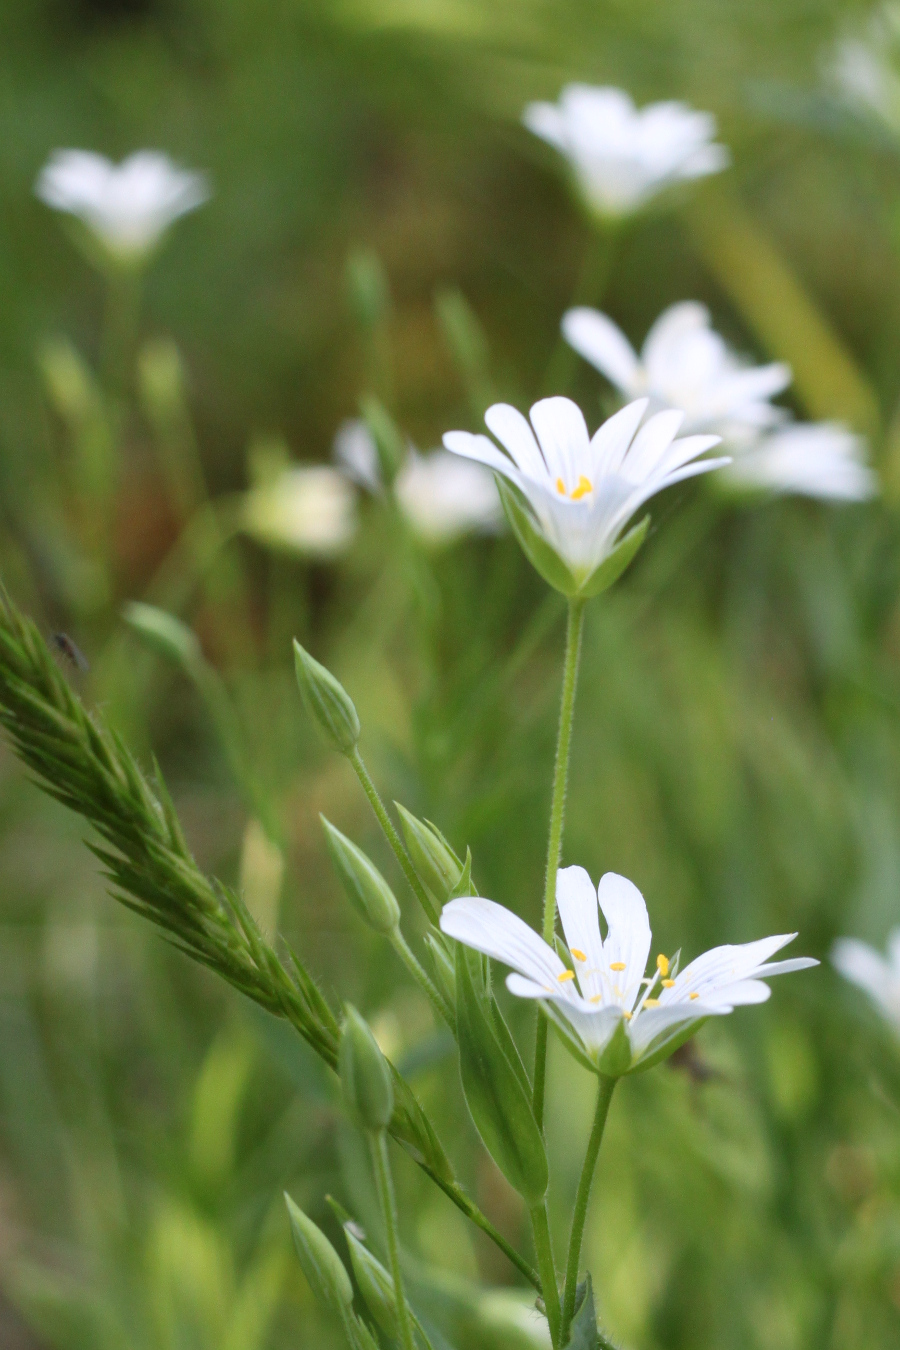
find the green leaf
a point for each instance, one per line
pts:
(542, 557)
(612, 567)
(583, 1331)
(498, 1101)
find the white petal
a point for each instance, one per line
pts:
(628, 938)
(670, 330)
(735, 995)
(561, 430)
(514, 432)
(576, 900)
(598, 340)
(865, 967)
(483, 451)
(650, 445)
(611, 440)
(496, 931)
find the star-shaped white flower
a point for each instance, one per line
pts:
(127, 206)
(814, 459)
(621, 156)
(307, 508)
(579, 491)
(612, 1015)
(684, 364)
(869, 970)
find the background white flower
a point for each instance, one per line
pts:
(128, 206)
(307, 509)
(866, 68)
(869, 970)
(610, 1011)
(622, 156)
(582, 491)
(356, 453)
(815, 459)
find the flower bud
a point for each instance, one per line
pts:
(444, 969)
(365, 1074)
(375, 1284)
(433, 858)
(327, 702)
(366, 888)
(321, 1264)
(170, 637)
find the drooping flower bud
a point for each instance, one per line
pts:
(327, 702)
(365, 1074)
(432, 857)
(321, 1264)
(366, 888)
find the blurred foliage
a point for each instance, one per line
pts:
(382, 228)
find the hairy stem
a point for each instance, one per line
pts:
(543, 1246)
(604, 1097)
(385, 1186)
(574, 629)
(392, 836)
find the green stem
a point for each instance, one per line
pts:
(604, 1097)
(590, 287)
(543, 1246)
(430, 990)
(454, 1192)
(389, 1212)
(392, 836)
(574, 629)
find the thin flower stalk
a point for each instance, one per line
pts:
(605, 1091)
(392, 836)
(385, 1185)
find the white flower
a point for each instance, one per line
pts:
(610, 1013)
(581, 491)
(869, 970)
(816, 459)
(128, 206)
(441, 497)
(307, 509)
(622, 157)
(867, 68)
(684, 364)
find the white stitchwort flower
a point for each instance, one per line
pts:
(581, 491)
(309, 509)
(621, 156)
(869, 970)
(128, 206)
(685, 364)
(611, 1014)
(815, 459)
(441, 496)
(866, 68)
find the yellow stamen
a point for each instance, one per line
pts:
(584, 487)
(617, 965)
(628, 1016)
(579, 956)
(566, 975)
(668, 984)
(560, 487)
(651, 1002)
(693, 995)
(662, 964)
(596, 999)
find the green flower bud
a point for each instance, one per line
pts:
(365, 1074)
(375, 1284)
(433, 858)
(366, 888)
(170, 637)
(321, 1264)
(327, 702)
(443, 967)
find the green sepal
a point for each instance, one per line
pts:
(615, 1060)
(583, 1331)
(612, 567)
(434, 860)
(442, 965)
(366, 888)
(567, 1035)
(663, 1053)
(327, 702)
(498, 1101)
(464, 886)
(323, 1268)
(544, 559)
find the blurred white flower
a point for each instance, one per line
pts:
(684, 364)
(814, 459)
(866, 68)
(869, 970)
(441, 496)
(621, 156)
(306, 509)
(581, 492)
(128, 206)
(610, 1013)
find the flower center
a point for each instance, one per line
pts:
(584, 487)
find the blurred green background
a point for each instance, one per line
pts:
(737, 748)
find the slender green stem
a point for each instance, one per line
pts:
(543, 1246)
(589, 289)
(604, 1097)
(574, 629)
(430, 990)
(385, 1186)
(454, 1192)
(392, 836)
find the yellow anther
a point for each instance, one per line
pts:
(617, 965)
(579, 956)
(662, 964)
(598, 998)
(628, 1016)
(584, 487)
(693, 996)
(651, 1002)
(560, 487)
(668, 984)
(566, 975)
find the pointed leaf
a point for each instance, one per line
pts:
(612, 567)
(583, 1331)
(542, 557)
